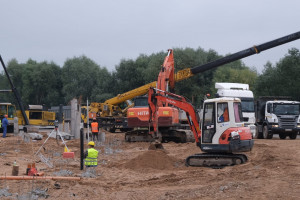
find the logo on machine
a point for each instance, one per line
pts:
(143, 113)
(170, 101)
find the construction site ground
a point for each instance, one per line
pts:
(131, 171)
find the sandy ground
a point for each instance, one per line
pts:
(131, 171)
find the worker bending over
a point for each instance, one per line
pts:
(91, 155)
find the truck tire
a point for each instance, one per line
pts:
(293, 135)
(282, 136)
(258, 135)
(266, 133)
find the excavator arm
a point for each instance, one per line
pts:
(155, 96)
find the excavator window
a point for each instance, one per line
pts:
(3, 110)
(209, 127)
(237, 107)
(223, 115)
(141, 102)
(35, 115)
(11, 111)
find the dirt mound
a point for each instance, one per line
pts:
(155, 159)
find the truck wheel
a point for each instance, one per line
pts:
(293, 135)
(266, 133)
(258, 135)
(282, 136)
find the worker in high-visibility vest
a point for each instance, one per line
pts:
(91, 155)
(95, 130)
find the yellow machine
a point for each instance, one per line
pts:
(37, 116)
(9, 110)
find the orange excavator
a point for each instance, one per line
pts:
(168, 118)
(218, 138)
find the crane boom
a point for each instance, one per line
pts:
(245, 53)
(189, 72)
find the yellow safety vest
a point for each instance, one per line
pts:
(92, 158)
(0, 123)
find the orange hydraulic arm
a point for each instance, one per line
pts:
(155, 96)
(166, 74)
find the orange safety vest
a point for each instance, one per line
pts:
(94, 127)
(225, 115)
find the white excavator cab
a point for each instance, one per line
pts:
(223, 127)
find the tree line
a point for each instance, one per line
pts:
(80, 77)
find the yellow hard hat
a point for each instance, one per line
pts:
(91, 143)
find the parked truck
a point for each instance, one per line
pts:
(277, 115)
(242, 92)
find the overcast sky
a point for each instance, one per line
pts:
(107, 31)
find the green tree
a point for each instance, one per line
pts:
(196, 87)
(15, 73)
(131, 74)
(282, 79)
(235, 72)
(41, 83)
(104, 88)
(82, 77)
(37, 83)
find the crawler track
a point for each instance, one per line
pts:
(215, 160)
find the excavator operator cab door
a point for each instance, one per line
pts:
(209, 123)
(219, 115)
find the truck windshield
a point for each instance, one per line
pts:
(247, 105)
(286, 109)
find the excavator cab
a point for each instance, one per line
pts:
(223, 127)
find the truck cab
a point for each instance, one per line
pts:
(278, 117)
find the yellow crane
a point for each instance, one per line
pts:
(111, 115)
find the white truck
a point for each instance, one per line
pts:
(242, 92)
(277, 115)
